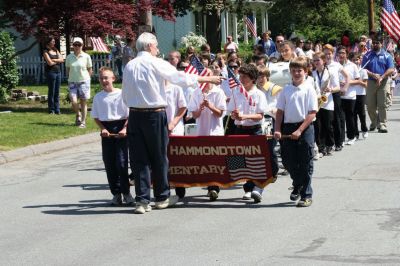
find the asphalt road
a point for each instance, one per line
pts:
(54, 211)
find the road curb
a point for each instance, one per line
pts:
(44, 148)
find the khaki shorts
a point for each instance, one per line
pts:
(79, 90)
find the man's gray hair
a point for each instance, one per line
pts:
(144, 40)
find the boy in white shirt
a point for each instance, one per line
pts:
(248, 117)
(297, 107)
(208, 108)
(111, 115)
(176, 109)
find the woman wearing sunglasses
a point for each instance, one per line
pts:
(79, 70)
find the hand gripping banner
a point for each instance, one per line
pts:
(218, 160)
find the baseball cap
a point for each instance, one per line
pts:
(77, 39)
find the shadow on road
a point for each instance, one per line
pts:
(86, 207)
(90, 186)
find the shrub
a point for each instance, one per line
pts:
(8, 68)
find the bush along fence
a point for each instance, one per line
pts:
(31, 70)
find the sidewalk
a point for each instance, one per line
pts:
(43, 148)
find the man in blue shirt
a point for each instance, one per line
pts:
(379, 66)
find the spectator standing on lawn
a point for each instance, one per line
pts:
(53, 73)
(111, 115)
(79, 70)
(143, 90)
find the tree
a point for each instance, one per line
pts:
(43, 18)
(8, 68)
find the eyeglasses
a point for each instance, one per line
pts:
(77, 44)
(234, 67)
(279, 41)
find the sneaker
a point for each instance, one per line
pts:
(256, 196)
(284, 172)
(329, 151)
(372, 128)
(128, 199)
(172, 200)
(365, 134)
(316, 157)
(304, 202)
(383, 130)
(247, 196)
(295, 195)
(213, 195)
(116, 200)
(82, 125)
(351, 142)
(339, 148)
(142, 208)
(77, 120)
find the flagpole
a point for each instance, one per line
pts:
(371, 13)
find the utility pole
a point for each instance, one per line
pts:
(371, 14)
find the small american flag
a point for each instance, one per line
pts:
(390, 20)
(196, 67)
(99, 45)
(234, 82)
(246, 167)
(250, 25)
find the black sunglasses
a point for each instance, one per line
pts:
(77, 44)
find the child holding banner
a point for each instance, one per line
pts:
(110, 114)
(208, 107)
(297, 106)
(247, 109)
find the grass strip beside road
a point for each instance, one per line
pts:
(31, 124)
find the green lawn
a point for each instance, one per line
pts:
(29, 122)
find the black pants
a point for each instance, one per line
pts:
(348, 108)
(325, 118)
(148, 141)
(360, 113)
(298, 157)
(115, 158)
(338, 120)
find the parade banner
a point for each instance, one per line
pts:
(218, 160)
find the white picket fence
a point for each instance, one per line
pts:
(32, 69)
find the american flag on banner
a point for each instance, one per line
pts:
(99, 45)
(244, 166)
(390, 20)
(196, 67)
(249, 20)
(234, 82)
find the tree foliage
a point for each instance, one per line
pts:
(320, 19)
(8, 68)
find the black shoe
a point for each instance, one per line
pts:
(339, 148)
(329, 151)
(372, 128)
(213, 195)
(295, 195)
(382, 130)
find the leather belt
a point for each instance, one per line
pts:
(249, 127)
(146, 110)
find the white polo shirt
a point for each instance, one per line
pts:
(352, 70)
(108, 106)
(143, 83)
(175, 101)
(334, 69)
(239, 101)
(207, 123)
(78, 67)
(361, 90)
(322, 80)
(297, 102)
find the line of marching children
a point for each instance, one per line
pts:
(315, 108)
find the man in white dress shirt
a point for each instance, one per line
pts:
(143, 91)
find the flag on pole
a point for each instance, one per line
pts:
(196, 67)
(234, 82)
(99, 45)
(390, 20)
(249, 20)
